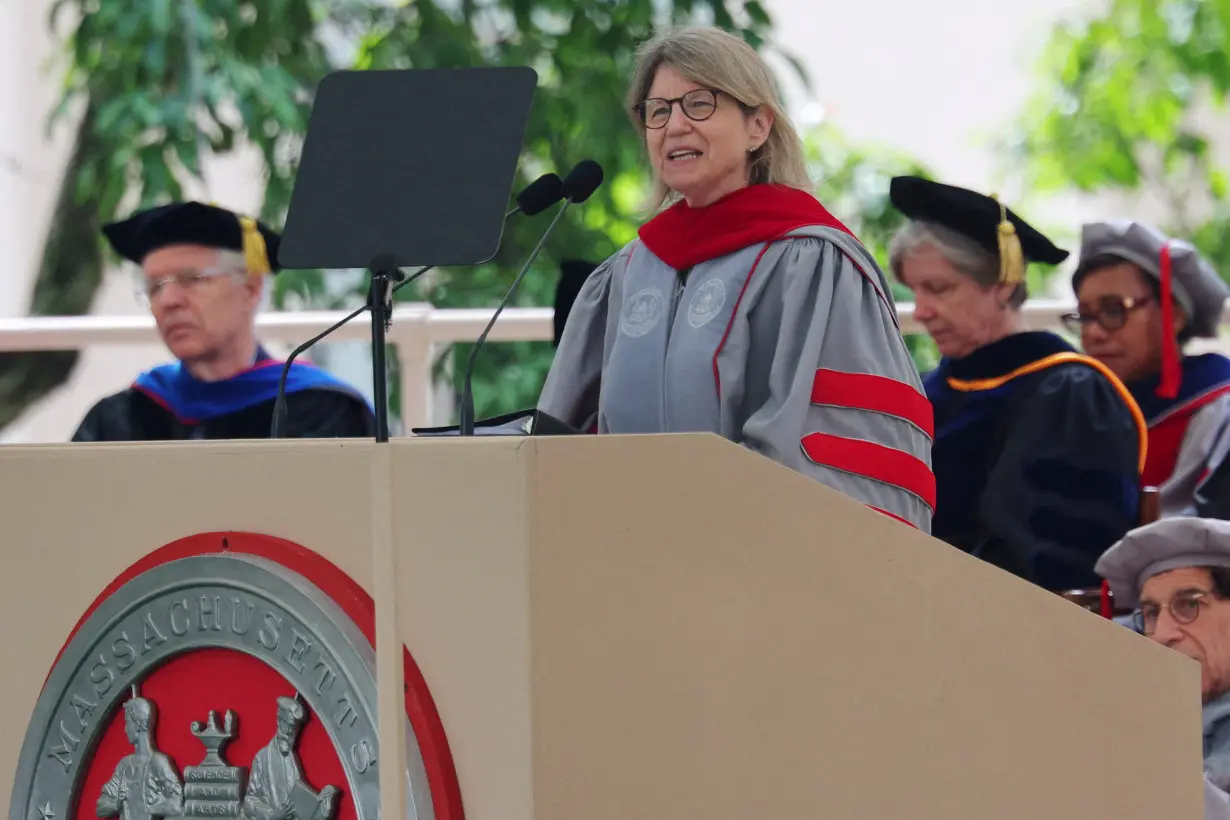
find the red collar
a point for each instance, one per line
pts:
(682, 236)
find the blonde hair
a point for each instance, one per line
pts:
(716, 59)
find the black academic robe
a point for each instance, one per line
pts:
(1037, 458)
(168, 404)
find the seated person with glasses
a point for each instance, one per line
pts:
(1141, 297)
(204, 271)
(1175, 574)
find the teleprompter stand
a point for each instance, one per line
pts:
(405, 167)
(384, 274)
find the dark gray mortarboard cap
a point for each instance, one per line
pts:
(1195, 285)
(1170, 543)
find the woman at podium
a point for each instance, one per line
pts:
(743, 307)
(204, 271)
(1038, 449)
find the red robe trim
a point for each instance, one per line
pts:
(683, 236)
(1166, 437)
(1168, 387)
(1202, 379)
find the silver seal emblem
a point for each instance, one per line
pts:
(706, 302)
(217, 601)
(214, 787)
(276, 790)
(641, 312)
(145, 784)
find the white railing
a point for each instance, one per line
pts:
(416, 331)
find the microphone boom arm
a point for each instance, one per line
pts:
(466, 426)
(279, 405)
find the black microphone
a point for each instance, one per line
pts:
(539, 195)
(533, 199)
(581, 182)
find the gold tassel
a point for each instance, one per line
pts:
(255, 252)
(1011, 257)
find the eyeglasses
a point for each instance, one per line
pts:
(148, 289)
(697, 105)
(1111, 313)
(1184, 608)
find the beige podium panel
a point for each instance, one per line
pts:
(648, 627)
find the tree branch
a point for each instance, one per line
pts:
(68, 278)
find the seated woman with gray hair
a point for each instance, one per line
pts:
(1038, 449)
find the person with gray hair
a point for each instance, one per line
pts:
(743, 308)
(1174, 574)
(1038, 449)
(204, 272)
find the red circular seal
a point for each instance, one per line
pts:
(194, 683)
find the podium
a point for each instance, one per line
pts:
(595, 627)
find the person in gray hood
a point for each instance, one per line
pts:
(1143, 297)
(1175, 574)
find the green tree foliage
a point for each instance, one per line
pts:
(1122, 104)
(853, 185)
(151, 87)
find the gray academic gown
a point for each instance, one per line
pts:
(1216, 802)
(790, 348)
(1215, 718)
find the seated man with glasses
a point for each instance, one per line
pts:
(204, 273)
(1175, 574)
(1142, 296)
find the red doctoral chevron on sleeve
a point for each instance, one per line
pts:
(874, 461)
(876, 394)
